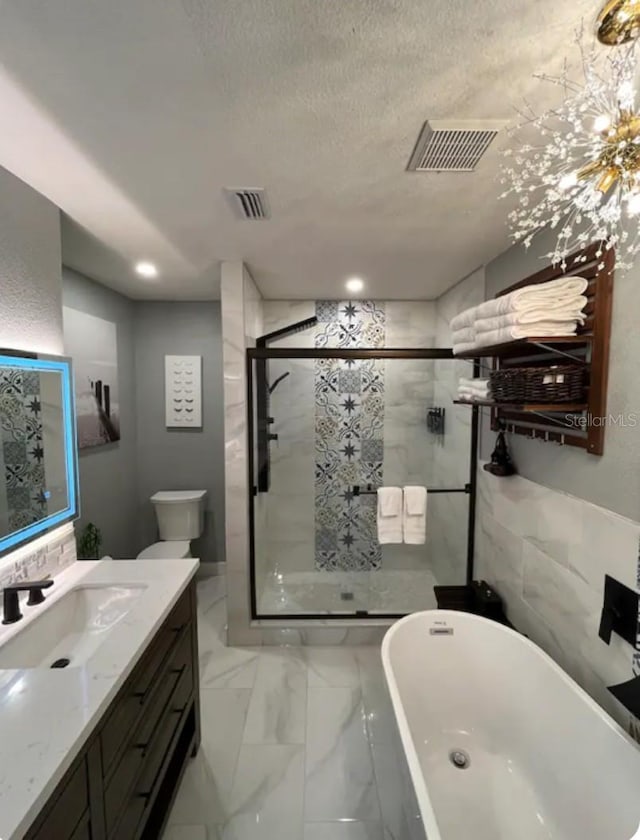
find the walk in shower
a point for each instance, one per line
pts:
(330, 421)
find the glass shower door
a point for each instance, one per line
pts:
(338, 428)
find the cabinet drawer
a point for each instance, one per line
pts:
(161, 646)
(165, 732)
(143, 741)
(83, 831)
(130, 707)
(63, 816)
(179, 663)
(131, 817)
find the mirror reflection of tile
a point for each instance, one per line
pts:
(22, 448)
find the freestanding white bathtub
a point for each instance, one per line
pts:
(539, 759)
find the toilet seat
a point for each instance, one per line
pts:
(169, 550)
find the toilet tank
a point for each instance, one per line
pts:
(180, 513)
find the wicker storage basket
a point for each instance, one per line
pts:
(555, 384)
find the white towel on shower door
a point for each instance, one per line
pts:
(389, 515)
(414, 515)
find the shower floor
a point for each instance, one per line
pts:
(381, 591)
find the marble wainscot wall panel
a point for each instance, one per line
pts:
(547, 554)
(45, 556)
(451, 454)
(241, 325)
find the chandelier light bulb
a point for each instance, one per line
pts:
(602, 123)
(626, 94)
(633, 204)
(568, 181)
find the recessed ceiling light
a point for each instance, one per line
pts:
(146, 269)
(354, 284)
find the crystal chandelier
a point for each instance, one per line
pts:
(581, 175)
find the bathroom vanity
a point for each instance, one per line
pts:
(96, 750)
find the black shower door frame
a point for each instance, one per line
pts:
(470, 489)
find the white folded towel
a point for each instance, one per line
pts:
(483, 394)
(505, 334)
(533, 316)
(475, 384)
(473, 396)
(473, 389)
(463, 334)
(463, 347)
(389, 515)
(552, 296)
(414, 519)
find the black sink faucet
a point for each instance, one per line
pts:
(10, 601)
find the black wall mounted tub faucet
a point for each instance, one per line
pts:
(619, 612)
(10, 597)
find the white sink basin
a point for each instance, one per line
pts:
(72, 628)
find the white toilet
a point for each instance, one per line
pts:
(180, 515)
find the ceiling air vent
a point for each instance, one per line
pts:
(249, 204)
(452, 147)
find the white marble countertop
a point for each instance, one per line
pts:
(47, 715)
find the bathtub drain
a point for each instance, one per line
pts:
(459, 759)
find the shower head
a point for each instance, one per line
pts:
(273, 387)
(284, 332)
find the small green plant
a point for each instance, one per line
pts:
(89, 543)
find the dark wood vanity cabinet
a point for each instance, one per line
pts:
(123, 783)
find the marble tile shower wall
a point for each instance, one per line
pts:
(547, 554)
(451, 455)
(287, 532)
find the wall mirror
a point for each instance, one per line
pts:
(38, 464)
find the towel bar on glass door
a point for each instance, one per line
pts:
(370, 490)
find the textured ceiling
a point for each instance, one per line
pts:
(133, 116)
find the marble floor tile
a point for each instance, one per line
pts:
(203, 796)
(396, 797)
(187, 832)
(277, 710)
(342, 831)
(332, 666)
(210, 591)
(268, 793)
(339, 771)
(228, 667)
(212, 627)
(379, 716)
(289, 734)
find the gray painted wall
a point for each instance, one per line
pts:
(30, 300)
(30, 282)
(108, 473)
(613, 479)
(179, 459)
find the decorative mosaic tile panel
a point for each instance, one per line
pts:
(349, 421)
(21, 434)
